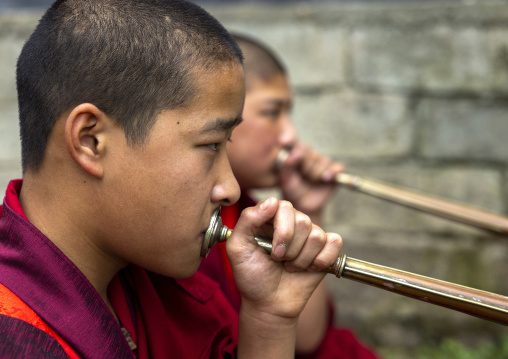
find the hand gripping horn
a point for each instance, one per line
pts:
(471, 301)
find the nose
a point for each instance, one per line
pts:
(226, 190)
(288, 134)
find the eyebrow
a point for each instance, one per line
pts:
(279, 103)
(221, 124)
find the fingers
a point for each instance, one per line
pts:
(291, 229)
(329, 254)
(302, 245)
(297, 242)
(253, 218)
(312, 246)
(250, 224)
(312, 165)
(320, 251)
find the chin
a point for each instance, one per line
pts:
(189, 270)
(183, 270)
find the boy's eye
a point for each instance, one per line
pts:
(272, 114)
(213, 146)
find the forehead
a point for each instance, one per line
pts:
(277, 90)
(221, 90)
(217, 104)
(278, 84)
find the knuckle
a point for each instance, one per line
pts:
(337, 166)
(248, 213)
(318, 236)
(302, 220)
(284, 203)
(335, 240)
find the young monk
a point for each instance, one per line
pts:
(126, 107)
(305, 180)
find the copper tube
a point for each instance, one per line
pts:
(426, 203)
(423, 202)
(471, 301)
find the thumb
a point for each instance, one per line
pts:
(253, 221)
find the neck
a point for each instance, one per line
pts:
(62, 218)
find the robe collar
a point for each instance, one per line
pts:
(34, 269)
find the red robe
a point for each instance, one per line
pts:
(338, 343)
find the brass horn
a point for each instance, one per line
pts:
(471, 301)
(423, 202)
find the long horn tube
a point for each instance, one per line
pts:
(471, 301)
(423, 202)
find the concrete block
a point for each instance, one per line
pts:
(350, 125)
(402, 58)
(463, 129)
(480, 61)
(10, 146)
(8, 170)
(9, 51)
(313, 55)
(431, 57)
(498, 56)
(15, 28)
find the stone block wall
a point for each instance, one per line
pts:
(414, 94)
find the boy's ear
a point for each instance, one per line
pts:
(84, 137)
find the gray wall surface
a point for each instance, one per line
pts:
(413, 94)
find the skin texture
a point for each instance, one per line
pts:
(106, 203)
(304, 179)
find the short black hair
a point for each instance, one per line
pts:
(131, 58)
(260, 62)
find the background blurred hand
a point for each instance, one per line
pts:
(307, 179)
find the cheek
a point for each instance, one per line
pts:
(257, 138)
(171, 193)
(264, 146)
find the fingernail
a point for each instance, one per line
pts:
(327, 176)
(265, 203)
(280, 250)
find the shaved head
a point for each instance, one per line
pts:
(260, 63)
